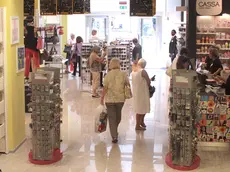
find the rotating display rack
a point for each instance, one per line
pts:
(46, 116)
(121, 52)
(182, 117)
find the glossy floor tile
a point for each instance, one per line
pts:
(86, 151)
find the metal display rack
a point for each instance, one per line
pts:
(46, 116)
(183, 112)
(123, 54)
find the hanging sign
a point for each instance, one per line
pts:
(48, 7)
(209, 7)
(29, 7)
(78, 6)
(65, 7)
(143, 8)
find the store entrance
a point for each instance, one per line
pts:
(151, 42)
(99, 23)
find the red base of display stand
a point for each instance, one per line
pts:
(194, 166)
(57, 156)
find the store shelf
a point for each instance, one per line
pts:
(225, 49)
(224, 58)
(203, 33)
(205, 44)
(182, 32)
(2, 131)
(1, 59)
(2, 107)
(222, 39)
(222, 27)
(202, 53)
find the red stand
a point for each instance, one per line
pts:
(57, 156)
(195, 165)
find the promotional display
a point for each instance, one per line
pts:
(46, 116)
(48, 7)
(65, 7)
(29, 7)
(209, 7)
(182, 129)
(143, 8)
(214, 122)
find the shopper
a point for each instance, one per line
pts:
(137, 51)
(225, 82)
(76, 57)
(95, 68)
(93, 37)
(70, 43)
(141, 97)
(173, 46)
(216, 65)
(114, 95)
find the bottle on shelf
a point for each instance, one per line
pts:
(207, 39)
(202, 40)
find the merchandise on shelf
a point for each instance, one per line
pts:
(121, 52)
(183, 112)
(213, 31)
(214, 118)
(46, 116)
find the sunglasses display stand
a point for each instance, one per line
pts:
(182, 118)
(46, 115)
(123, 54)
(85, 70)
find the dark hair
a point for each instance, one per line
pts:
(181, 61)
(184, 51)
(135, 40)
(79, 39)
(174, 31)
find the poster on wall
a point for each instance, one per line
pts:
(48, 7)
(20, 59)
(65, 7)
(209, 7)
(29, 7)
(15, 35)
(78, 6)
(143, 8)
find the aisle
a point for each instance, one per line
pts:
(85, 151)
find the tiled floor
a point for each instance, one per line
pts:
(85, 151)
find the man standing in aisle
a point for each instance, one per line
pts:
(137, 51)
(173, 46)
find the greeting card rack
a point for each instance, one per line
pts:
(182, 117)
(46, 116)
(121, 52)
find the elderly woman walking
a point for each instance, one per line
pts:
(114, 95)
(141, 96)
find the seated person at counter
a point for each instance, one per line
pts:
(208, 60)
(225, 81)
(216, 65)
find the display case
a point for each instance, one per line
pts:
(122, 53)
(46, 115)
(182, 118)
(213, 31)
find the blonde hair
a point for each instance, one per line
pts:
(142, 63)
(114, 64)
(96, 49)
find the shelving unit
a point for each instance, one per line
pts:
(3, 115)
(213, 31)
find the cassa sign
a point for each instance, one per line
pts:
(209, 7)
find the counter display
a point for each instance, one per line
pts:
(214, 118)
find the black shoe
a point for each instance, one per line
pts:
(115, 140)
(73, 74)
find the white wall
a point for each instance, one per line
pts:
(76, 25)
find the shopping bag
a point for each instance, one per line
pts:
(100, 119)
(168, 63)
(71, 66)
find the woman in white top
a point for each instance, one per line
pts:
(141, 96)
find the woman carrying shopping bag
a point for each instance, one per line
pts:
(116, 86)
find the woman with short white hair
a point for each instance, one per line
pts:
(141, 96)
(114, 95)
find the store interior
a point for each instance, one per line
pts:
(47, 116)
